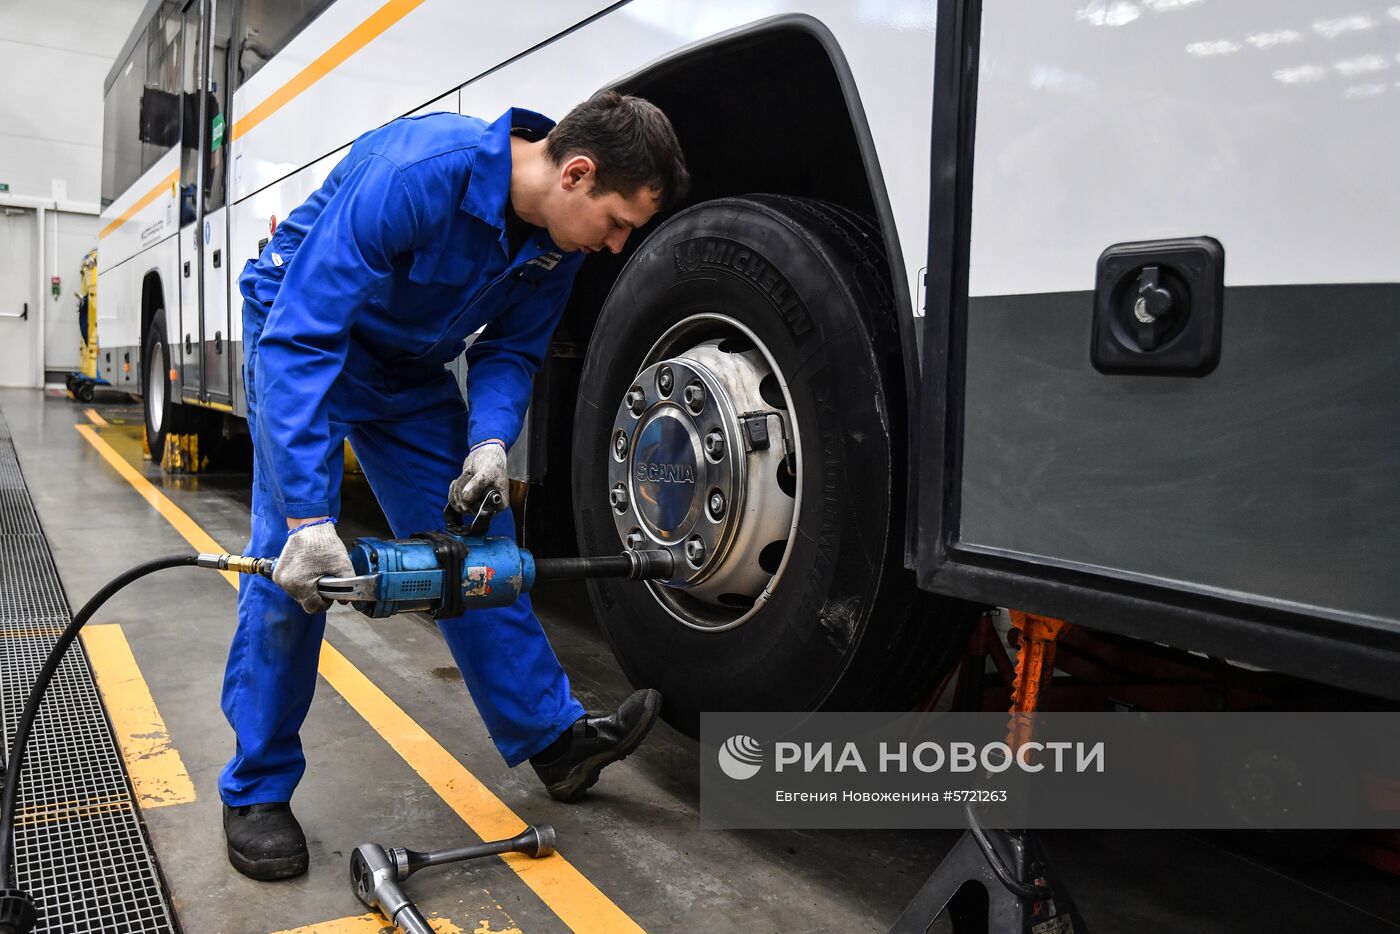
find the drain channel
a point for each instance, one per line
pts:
(80, 848)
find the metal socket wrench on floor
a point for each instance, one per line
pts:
(376, 871)
(447, 573)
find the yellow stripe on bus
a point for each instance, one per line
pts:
(567, 892)
(157, 772)
(359, 37)
(168, 182)
(362, 35)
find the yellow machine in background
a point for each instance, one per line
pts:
(83, 383)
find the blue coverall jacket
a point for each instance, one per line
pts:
(359, 299)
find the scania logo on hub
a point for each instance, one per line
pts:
(741, 757)
(665, 473)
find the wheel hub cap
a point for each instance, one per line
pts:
(696, 468)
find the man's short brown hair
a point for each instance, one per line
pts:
(631, 143)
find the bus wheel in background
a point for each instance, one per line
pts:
(164, 415)
(741, 405)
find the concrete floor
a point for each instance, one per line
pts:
(637, 836)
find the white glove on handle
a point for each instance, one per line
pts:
(482, 471)
(312, 552)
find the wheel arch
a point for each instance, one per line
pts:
(152, 300)
(783, 78)
(787, 88)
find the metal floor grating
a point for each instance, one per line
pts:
(80, 848)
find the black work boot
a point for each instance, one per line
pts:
(570, 765)
(265, 841)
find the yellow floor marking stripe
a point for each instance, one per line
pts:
(96, 419)
(356, 39)
(576, 901)
(168, 182)
(173, 514)
(157, 772)
(369, 924)
(567, 892)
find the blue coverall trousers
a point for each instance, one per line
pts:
(505, 658)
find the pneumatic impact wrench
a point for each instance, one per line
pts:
(444, 574)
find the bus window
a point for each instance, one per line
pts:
(121, 125)
(160, 117)
(190, 91)
(268, 25)
(215, 164)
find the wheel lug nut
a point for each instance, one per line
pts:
(634, 539)
(714, 444)
(636, 400)
(618, 498)
(695, 551)
(665, 381)
(717, 504)
(695, 397)
(620, 444)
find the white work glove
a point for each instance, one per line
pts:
(483, 470)
(312, 551)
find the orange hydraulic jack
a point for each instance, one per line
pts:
(1000, 881)
(1035, 666)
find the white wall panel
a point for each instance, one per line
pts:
(74, 235)
(53, 57)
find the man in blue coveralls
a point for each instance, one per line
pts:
(429, 229)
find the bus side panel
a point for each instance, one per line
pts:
(145, 214)
(120, 291)
(441, 44)
(436, 46)
(1270, 480)
(136, 236)
(250, 224)
(250, 227)
(622, 42)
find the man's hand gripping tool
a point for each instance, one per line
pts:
(447, 573)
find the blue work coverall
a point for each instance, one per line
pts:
(350, 313)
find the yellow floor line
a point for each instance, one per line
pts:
(369, 924)
(157, 772)
(96, 419)
(567, 892)
(173, 514)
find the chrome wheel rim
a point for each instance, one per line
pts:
(155, 386)
(702, 462)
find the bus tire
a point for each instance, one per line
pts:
(798, 289)
(163, 415)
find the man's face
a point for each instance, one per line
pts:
(581, 219)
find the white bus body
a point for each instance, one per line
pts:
(841, 150)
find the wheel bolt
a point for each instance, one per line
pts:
(665, 381)
(636, 400)
(634, 539)
(695, 551)
(618, 498)
(620, 444)
(695, 397)
(714, 444)
(716, 504)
